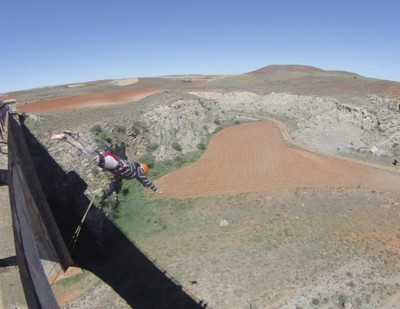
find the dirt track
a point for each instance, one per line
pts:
(253, 157)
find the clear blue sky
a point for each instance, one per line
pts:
(53, 42)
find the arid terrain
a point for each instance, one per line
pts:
(293, 204)
(253, 156)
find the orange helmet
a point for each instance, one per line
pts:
(145, 168)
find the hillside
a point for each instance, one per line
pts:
(306, 80)
(297, 162)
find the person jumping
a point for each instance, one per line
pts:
(109, 161)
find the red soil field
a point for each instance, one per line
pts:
(88, 100)
(253, 157)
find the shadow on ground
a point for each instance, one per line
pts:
(102, 248)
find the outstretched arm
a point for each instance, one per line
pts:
(142, 178)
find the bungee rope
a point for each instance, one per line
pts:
(72, 242)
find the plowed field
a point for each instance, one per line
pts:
(88, 100)
(254, 157)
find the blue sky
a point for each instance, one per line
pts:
(53, 42)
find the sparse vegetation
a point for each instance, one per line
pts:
(176, 146)
(103, 140)
(73, 280)
(119, 129)
(217, 121)
(201, 146)
(342, 299)
(101, 137)
(96, 129)
(94, 170)
(141, 220)
(148, 158)
(138, 127)
(152, 147)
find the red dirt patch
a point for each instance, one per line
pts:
(253, 157)
(198, 82)
(88, 100)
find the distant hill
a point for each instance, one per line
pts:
(309, 80)
(292, 79)
(291, 71)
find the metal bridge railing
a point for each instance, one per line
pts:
(36, 234)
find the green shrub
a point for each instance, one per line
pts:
(342, 299)
(176, 146)
(102, 140)
(152, 147)
(96, 129)
(201, 146)
(148, 158)
(217, 122)
(119, 129)
(180, 160)
(137, 127)
(217, 129)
